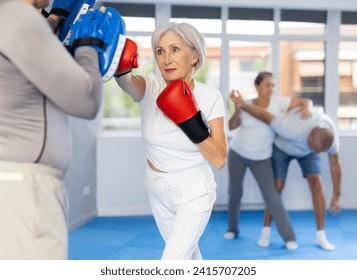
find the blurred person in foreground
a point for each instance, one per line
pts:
(41, 86)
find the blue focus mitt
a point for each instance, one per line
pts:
(75, 10)
(103, 30)
(62, 8)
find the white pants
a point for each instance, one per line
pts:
(181, 203)
(33, 211)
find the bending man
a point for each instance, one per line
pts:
(303, 140)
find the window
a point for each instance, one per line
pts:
(120, 112)
(302, 22)
(302, 62)
(246, 60)
(250, 21)
(347, 111)
(210, 74)
(205, 19)
(348, 25)
(302, 70)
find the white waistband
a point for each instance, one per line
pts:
(177, 174)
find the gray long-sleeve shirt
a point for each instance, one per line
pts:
(41, 84)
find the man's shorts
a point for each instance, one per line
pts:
(309, 164)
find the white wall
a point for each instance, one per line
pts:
(120, 176)
(81, 177)
(121, 169)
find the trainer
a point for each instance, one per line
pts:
(41, 85)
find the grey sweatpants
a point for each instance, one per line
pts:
(262, 171)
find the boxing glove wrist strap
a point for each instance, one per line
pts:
(89, 41)
(60, 12)
(195, 128)
(118, 75)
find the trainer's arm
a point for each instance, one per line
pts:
(214, 148)
(74, 87)
(335, 168)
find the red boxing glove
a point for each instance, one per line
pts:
(129, 58)
(178, 103)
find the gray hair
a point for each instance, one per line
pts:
(190, 36)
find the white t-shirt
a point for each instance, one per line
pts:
(293, 132)
(167, 147)
(254, 139)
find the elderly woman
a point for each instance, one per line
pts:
(181, 140)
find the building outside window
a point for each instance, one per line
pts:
(246, 60)
(302, 70)
(302, 55)
(347, 111)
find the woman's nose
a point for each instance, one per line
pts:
(167, 59)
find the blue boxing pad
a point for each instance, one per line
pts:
(62, 8)
(78, 8)
(105, 32)
(115, 33)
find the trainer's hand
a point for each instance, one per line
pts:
(335, 205)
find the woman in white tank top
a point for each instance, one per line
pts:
(251, 147)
